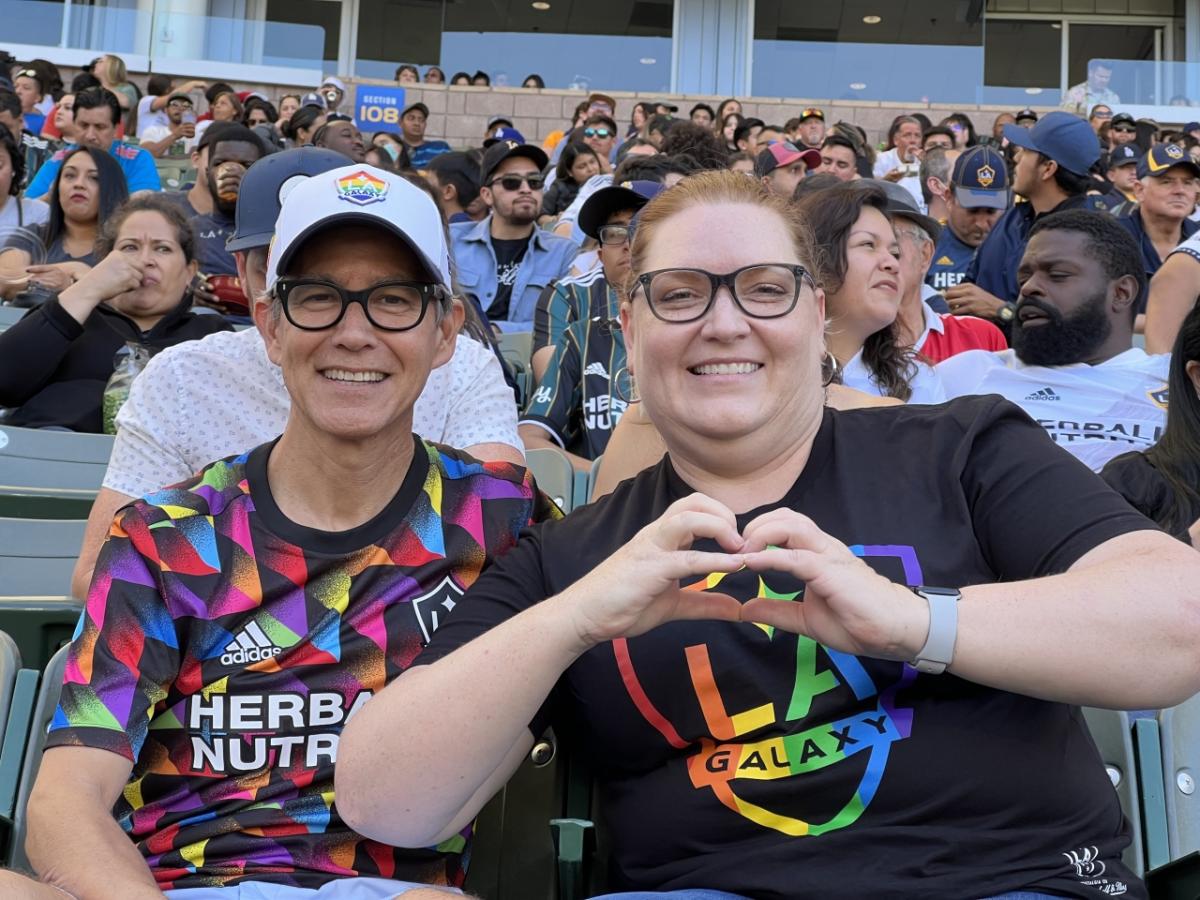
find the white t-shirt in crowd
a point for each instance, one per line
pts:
(926, 386)
(1191, 247)
(148, 118)
(30, 212)
(890, 159)
(204, 400)
(1094, 412)
(158, 132)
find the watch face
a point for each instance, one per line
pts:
(1006, 313)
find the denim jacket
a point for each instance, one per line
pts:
(548, 258)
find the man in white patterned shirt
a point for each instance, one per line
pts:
(218, 398)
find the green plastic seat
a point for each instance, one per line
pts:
(37, 556)
(50, 474)
(554, 475)
(39, 625)
(1112, 731)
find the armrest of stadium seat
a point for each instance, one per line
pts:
(12, 749)
(1177, 880)
(1147, 747)
(572, 841)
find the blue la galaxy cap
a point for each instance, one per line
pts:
(980, 179)
(1124, 155)
(1162, 157)
(606, 201)
(265, 185)
(1064, 138)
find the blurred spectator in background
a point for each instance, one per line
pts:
(413, 121)
(962, 128)
(152, 109)
(434, 75)
(533, 81)
(1166, 189)
(27, 85)
(978, 196)
(35, 150)
(1121, 198)
(455, 178)
(1101, 113)
(342, 135)
(1081, 97)
(1122, 129)
(702, 114)
(225, 107)
(407, 74)
(481, 79)
(56, 361)
(16, 211)
(110, 69)
(578, 163)
(460, 78)
(178, 136)
(304, 122)
(394, 147)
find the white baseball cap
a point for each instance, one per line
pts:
(360, 194)
(336, 82)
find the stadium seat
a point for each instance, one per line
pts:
(10, 664)
(517, 348)
(1112, 731)
(554, 475)
(38, 555)
(10, 315)
(39, 624)
(50, 474)
(175, 173)
(1179, 729)
(595, 473)
(43, 712)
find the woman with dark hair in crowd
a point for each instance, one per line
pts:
(728, 106)
(861, 278)
(729, 127)
(460, 78)
(533, 81)
(638, 117)
(300, 128)
(16, 211)
(87, 190)
(259, 112)
(805, 638)
(407, 74)
(481, 79)
(576, 165)
(963, 128)
(435, 75)
(394, 147)
(1163, 483)
(55, 362)
(697, 143)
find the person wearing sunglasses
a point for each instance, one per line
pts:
(1100, 114)
(600, 133)
(805, 638)
(505, 261)
(314, 567)
(1122, 129)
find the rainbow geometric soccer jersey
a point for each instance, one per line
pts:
(224, 647)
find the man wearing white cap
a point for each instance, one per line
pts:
(333, 91)
(236, 621)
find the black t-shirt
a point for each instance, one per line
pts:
(738, 758)
(1140, 482)
(509, 254)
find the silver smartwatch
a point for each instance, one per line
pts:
(938, 651)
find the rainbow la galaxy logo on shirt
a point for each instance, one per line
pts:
(362, 188)
(731, 759)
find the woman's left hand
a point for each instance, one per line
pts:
(53, 277)
(846, 605)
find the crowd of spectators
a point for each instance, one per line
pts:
(822, 375)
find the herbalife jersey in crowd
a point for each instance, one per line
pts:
(224, 647)
(1095, 412)
(743, 758)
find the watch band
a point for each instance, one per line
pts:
(938, 651)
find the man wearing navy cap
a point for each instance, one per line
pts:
(1053, 159)
(783, 165)
(585, 387)
(1122, 175)
(412, 132)
(978, 196)
(1166, 189)
(1122, 129)
(811, 132)
(505, 260)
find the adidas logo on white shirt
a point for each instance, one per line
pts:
(1044, 394)
(249, 645)
(596, 369)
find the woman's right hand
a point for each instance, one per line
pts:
(637, 588)
(114, 275)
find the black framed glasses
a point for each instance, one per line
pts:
(513, 182)
(763, 291)
(611, 235)
(314, 304)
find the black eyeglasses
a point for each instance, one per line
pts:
(597, 132)
(313, 304)
(764, 291)
(614, 234)
(513, 182)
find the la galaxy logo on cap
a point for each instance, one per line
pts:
(362, 188)
(985, 175)
(1174, 151)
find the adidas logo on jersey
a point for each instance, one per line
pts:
(596, 369)
(249, 645)
(1044, 394)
